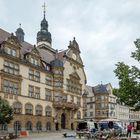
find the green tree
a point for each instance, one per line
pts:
(6, 112)
(129, 80)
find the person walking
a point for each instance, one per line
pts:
(129, 129)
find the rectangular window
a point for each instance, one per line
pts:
(11, 68)
(15, 89)
(5, 86)
(91, 113)
(48, 95)
(48, 80)
(34, 75)
(11, 87)
(31, 91)
(91, 106)
(98, 98)
(31, 74)
(102, 97)
(99, 106)
(34, 61)
(37, 76)
(103, 106)
(37, 92)
(10, 51)
(13, 52)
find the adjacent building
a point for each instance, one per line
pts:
(122, 113)
(101, 102)
(90, 113)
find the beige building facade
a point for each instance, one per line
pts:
(101, 103)
(45, 87)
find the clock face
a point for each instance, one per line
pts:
(74, 56)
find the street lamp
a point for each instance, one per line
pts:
(16, 128)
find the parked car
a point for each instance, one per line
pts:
(110, 124)
(86, 128)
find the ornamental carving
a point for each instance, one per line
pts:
(66, 105)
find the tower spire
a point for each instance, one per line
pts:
(44, 8)
(44, 36)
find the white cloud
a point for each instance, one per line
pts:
(104, 29)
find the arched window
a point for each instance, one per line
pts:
(17, 126)
(3, 127)
(48, 111)
(48, 126)
(78, 115)
(28, 125)
(38, 110)
(29, 109)
(17, 106)
(38, 125)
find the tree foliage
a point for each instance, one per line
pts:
(6, 112)
(129, 80)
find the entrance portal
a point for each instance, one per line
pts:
(72, 127)
(63, 121)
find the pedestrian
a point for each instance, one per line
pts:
(129, 129)
(102, 127)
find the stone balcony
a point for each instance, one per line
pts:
(65, 105)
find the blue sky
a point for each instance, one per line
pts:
(104, 29)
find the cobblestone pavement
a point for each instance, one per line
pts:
(49, 136)
(55, 136)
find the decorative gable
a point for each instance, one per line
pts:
(35, 52)
(74, 45)
(11, 46)
(33, 56)
(74, 56)
(12, 40)
(73, 53)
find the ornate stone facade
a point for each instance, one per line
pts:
(45, 87)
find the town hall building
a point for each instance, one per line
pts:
(46, 88)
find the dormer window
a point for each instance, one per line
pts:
(34, 61)
(10, 51)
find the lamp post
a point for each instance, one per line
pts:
(38, 124)
(16, 128)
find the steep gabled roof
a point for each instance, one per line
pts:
(3, 35)
(27, 47)
(100, 89)
(90, 91)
